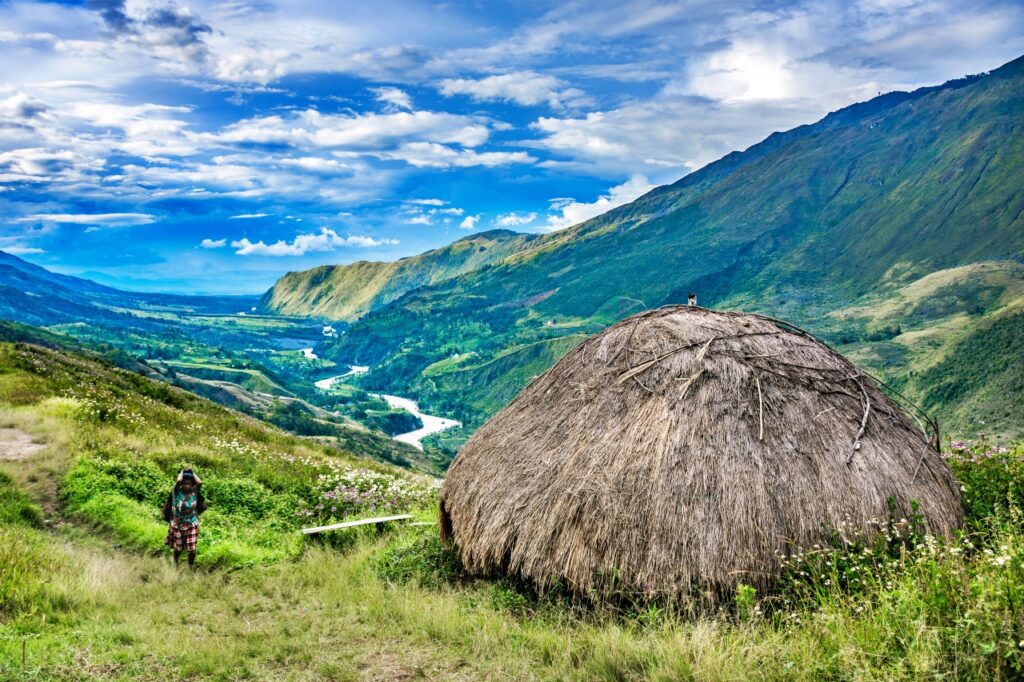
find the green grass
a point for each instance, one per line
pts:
(126, 437)
(89, 591)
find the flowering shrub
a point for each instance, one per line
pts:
(858, 561)
(991, 477)
(346, 491)
(965, 592)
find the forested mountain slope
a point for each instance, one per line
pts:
(346, 292)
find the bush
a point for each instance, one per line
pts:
(991, 478)
(238, 496)
(15, 506)
(963, 595)
(419, 555)
(347, 491)
(132, 523)
(138, 479)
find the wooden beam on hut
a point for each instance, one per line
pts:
(352, 524)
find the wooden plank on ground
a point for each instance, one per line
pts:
(351, 524)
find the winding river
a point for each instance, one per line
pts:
(431, 424)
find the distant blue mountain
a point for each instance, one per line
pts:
(34, 295)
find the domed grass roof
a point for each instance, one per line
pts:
(683, 450)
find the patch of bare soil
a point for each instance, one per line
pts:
(16, 445)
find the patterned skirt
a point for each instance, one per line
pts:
(182, 536)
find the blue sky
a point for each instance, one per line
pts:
(212, 146)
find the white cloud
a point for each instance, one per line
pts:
(572, 212)
(393, 98)
(356, 132)
(469, 222)
(326, 240)
(19, 250)
(515, 219)
(761, 70)
(425, 216)
(213, 243)
(248, 216)
(147, 130)
(522, 87)
(21, 106)
(247, 65)
(367, 242)
(635, 138)
(433, 155)
(93, 219)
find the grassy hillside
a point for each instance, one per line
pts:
(347, 292)
(823, 218)
(950, 340)
(87, 591)
(128, 435)
(245, 361)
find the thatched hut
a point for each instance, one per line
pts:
(682, 451)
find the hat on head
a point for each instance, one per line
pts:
(189, 475)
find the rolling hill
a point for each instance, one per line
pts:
(850, 211)
(347, 292)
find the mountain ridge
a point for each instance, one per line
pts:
(346, 292)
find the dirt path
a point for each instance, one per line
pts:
(24, 457)
(16, 445)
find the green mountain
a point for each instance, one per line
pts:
(347, 292)
(33, 295)
(854, 210)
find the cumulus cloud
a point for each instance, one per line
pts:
(434, 155)
(469, 222)
(20, 106)
(515, 219)
(326, 240)
(393, 98)
(31, 164)
(91, 219)
(572, 212)
(634, 138)
(355, 132)
(19, 250)
(167, 31)
(247, 65)
(425, 211)
(522, 87)
(147, 130)
(213, 243)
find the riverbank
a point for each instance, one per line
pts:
(431, 424)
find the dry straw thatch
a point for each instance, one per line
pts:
(679, 452)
